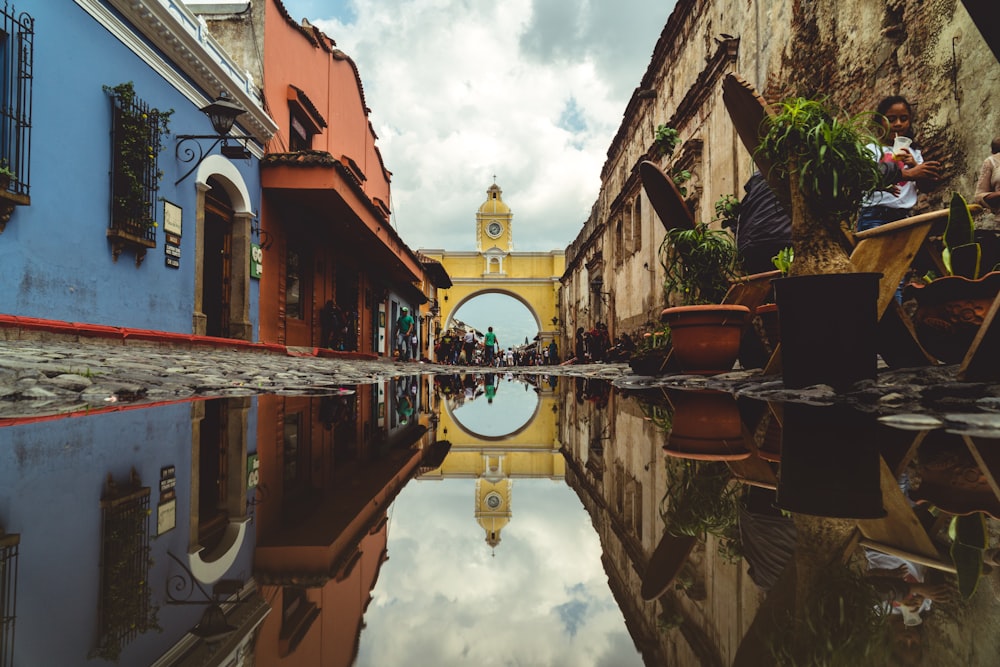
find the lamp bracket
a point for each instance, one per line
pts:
(190, 149)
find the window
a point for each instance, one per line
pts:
(17, 35)
(293, 286)
(299, 138)
(136, 140)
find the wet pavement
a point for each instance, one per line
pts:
(58, 375)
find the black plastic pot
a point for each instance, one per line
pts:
(830, 463)
(828, 328)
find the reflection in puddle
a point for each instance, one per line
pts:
(473, 518)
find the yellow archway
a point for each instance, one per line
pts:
(531, 278)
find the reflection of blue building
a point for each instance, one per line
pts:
(81, 568)
(104, 226)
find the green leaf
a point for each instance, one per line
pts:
(969, 540)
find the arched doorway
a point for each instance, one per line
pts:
(222, 251)
(217, 271)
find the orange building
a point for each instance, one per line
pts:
(325, 219)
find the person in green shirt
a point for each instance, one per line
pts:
(490, 346)
(405, 329)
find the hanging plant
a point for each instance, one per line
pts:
(138, 132)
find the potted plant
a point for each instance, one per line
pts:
(699, 263)
(651, 356)
(7, 176)
(950, 309)
(821, 170)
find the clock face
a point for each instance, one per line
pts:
(494, 229)
(493, 501)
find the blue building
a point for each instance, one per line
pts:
(126, 209)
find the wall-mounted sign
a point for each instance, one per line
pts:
(172, 250)
(173, 262)
(166, 511)
(253, 471)
(256, 261)
(171, 218)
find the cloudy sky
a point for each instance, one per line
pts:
(531, 91)
(541, 598)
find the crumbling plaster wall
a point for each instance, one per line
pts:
(854, 52)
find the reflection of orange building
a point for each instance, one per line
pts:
(328, 473)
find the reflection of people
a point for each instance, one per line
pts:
(404, 402)
(895, 204)
(490, 387)
(405, 330)
(988, 187)
(901, 583)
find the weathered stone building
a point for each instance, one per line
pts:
(855, 52)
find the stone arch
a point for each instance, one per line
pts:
(224, 173)
(492, 290)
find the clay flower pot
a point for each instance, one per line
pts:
(706, 338)
(950, 311)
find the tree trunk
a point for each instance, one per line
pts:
(818, 242)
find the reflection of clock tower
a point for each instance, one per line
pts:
(493, 507)
(493, 233)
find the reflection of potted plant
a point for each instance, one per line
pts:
(828, 312)
(699, 263)
(950, 309)
(842, 622)
(706, 426)
(701, 500)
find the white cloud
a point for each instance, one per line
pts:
(463, 90)
(444, 599)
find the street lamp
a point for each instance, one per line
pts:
(223, 113)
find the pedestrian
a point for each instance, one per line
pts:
(469, 346)
(490, 346)
(988, 187)
(553, 352)
(897, 144)
(405, 332)
(763, 227)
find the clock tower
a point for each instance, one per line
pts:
(493, 232)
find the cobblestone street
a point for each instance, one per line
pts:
(60, 375)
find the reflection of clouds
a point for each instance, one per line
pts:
(443, 598)
(510, 410)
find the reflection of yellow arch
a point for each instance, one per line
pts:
(491, 438)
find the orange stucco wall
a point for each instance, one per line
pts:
(332, 84)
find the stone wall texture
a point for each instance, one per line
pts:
(856, 52)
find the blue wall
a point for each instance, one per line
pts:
(51, 479)
(55, 260)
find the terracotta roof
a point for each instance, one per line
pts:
(300, 159)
